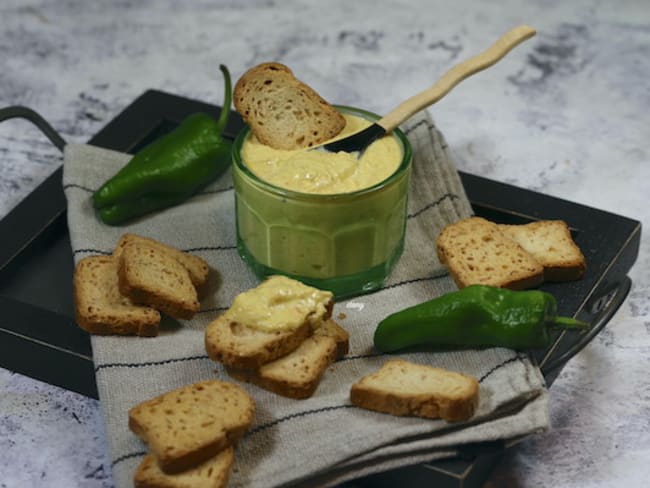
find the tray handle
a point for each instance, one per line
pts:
(615, 300)
(18, 111)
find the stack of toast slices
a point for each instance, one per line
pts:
(290, 362)
(478, 251)
(192, 434)
(126, 292)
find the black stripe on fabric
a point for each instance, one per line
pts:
(190, 250)
(450, 196)
(362, 356)
(220, 190)
(213, 309)
(429, 125)
(517, 357)
(91, 251)
(80, 187)
(128, 456)
(210, 248)
(303, 413)
(408, 282)
(205, 192)
(150, 363)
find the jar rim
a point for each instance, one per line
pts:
(292, 194)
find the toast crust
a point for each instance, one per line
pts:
(239, 346)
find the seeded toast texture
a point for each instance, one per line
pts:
(297, 374)
(197, 268)
(239, 346)
(100, 308)
(192, 424)
(213, 473)
(407, 389)
(151, 277)
(283, 112)
(551, 244)
(477, 252)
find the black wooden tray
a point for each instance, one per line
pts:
(39, 338)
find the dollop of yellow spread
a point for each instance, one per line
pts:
(279, 304)
(318, 171)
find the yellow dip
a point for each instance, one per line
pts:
(278, 304)
(317, 171)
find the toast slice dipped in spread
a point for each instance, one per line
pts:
(282, 111)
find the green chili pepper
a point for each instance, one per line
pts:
(170, 169)
(475, 316)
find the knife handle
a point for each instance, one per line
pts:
(455, 75)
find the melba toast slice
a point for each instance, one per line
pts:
(197, 267)
(190, 425)
(551, 244)
(297, 374)
(407, 389)
(100, 308)
(151, 277)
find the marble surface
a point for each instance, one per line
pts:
(565, 114)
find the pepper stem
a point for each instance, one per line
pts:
(227, 100)
(570, 323)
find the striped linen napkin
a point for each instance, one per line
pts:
(324, 440)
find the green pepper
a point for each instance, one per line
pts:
(170, 169)
(475, 316)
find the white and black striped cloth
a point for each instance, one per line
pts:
(323, 440)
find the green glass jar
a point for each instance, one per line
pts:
(346, 243)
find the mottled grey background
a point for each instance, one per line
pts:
(566, 114)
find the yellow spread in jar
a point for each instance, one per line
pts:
(318, 171)
(280, 304)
